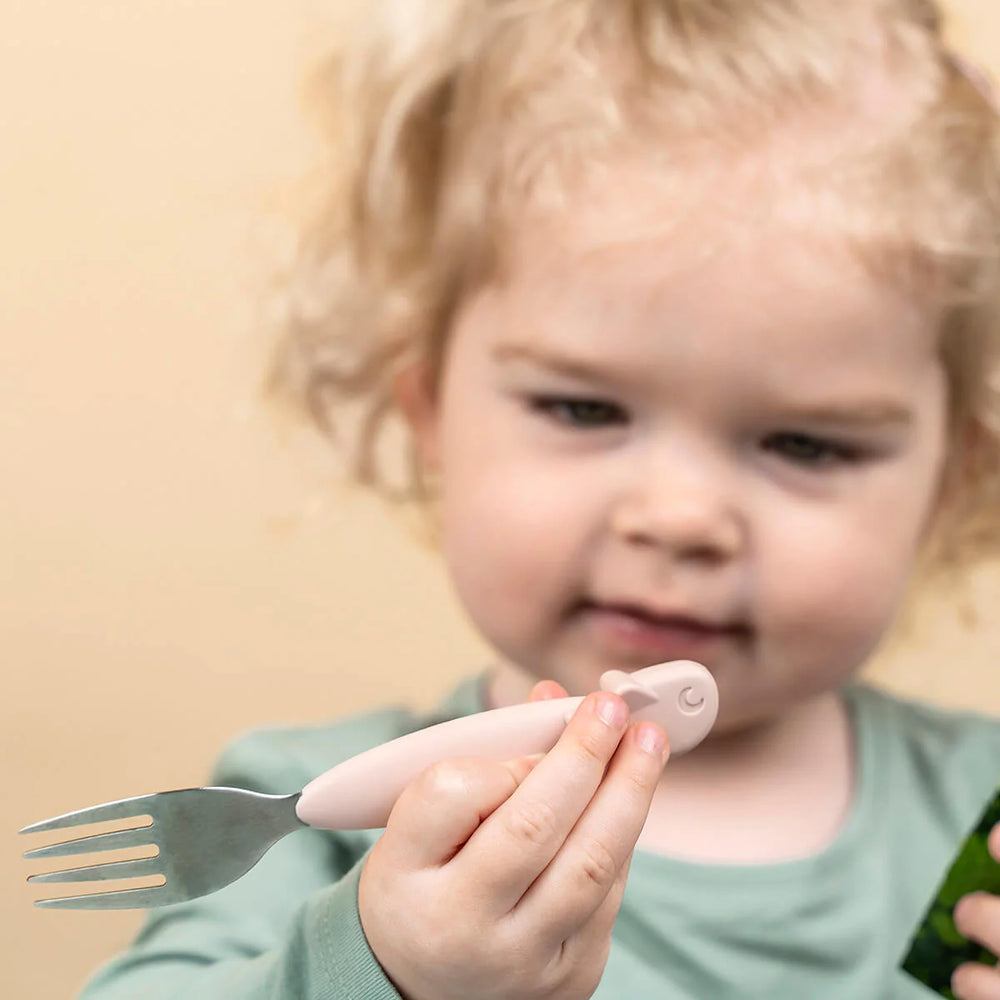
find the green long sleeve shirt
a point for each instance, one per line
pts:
(834, 925)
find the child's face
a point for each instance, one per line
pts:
(752, 438)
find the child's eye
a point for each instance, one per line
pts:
(805, 449)
(578, 412)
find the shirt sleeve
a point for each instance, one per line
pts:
(287, 930)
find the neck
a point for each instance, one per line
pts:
(762, 745)
(778, 790)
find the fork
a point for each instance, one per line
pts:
(207, 838)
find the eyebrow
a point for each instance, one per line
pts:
(572, 367)
(860, 412)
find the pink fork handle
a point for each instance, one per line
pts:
(359, 793)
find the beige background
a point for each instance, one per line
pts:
(173, 570)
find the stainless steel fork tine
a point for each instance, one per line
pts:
(120, 809)
(205, 839)
(120, 899)
(137, 868)
(118, 840)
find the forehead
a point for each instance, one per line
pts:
(693, 258)
(703, 199)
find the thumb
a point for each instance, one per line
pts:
(440, 809)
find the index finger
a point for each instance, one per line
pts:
(521, 837)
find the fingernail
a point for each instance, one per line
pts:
(651, 739)
(611, 710)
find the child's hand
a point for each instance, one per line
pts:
(977, 916)
(500, 881)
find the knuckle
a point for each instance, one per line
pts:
(642, 775)
(594, 747)
(452, 779)
(598, 864)
(536, 824)
(514, 952)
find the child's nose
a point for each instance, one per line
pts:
(691, 510)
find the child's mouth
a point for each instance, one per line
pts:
(630, 629)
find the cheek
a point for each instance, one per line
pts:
(511, 542)
(839, 578)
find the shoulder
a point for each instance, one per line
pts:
(283, 759)
(947, 758)
(932, 727)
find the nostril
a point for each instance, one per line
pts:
(700, 531)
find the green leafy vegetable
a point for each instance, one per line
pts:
(937, 948)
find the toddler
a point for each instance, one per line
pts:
(690, 310)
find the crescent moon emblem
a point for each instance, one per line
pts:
(688, 701)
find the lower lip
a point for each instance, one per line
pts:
(624, 632)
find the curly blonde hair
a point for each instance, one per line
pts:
(446, 119)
